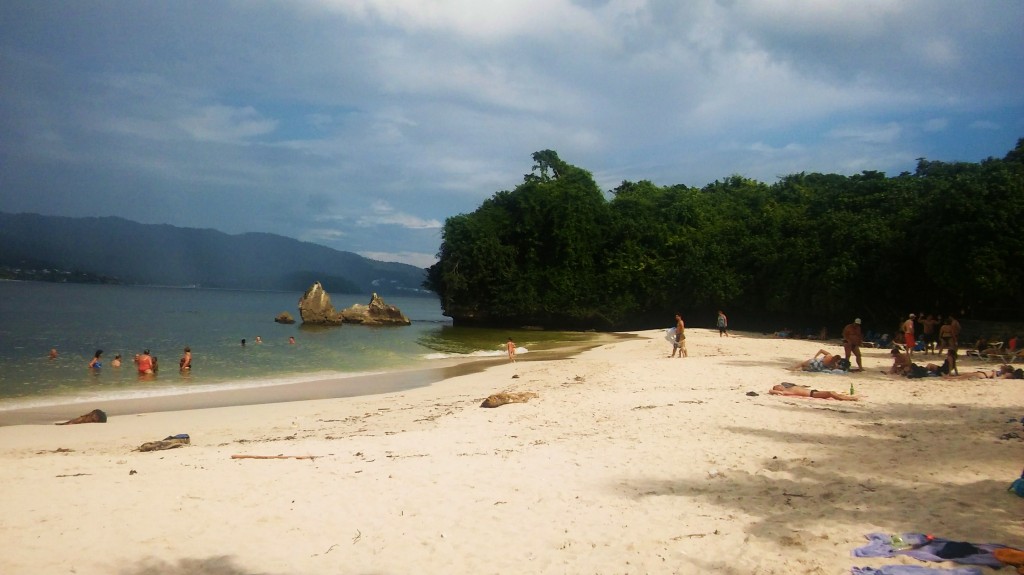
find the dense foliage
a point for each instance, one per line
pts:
(948, 238)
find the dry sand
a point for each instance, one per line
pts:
(625, 462)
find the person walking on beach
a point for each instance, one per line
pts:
(946, 336)
(908, 335)
(510, 347)
(853, 337)
(723, 324)
(928, 324)
(680, 346)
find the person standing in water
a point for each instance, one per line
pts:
(510, 347)
(145, 363)
(95, 363)
(185, 363)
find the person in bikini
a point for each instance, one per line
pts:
(1003, 372)
(792, 389)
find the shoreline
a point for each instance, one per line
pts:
(177, 399)
(625, 461)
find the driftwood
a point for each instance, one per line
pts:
(275, 456)
(499, 399)
(94, 416)
(170, 442)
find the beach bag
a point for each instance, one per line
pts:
(1018, 486)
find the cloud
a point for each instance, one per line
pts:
(226, 124)
(384, 214)
(418, 259)
(364, 124)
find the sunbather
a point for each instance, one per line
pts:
(1003, 372)
(821, 361)
(786, 388)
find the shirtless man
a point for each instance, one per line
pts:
(826, 361)
(786, 388)
(510, 347)
(900, 363)
(185, 363)
(853, 337)
(908, 335)
(680, 346)
(928, 325)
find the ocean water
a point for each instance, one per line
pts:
(78, 319)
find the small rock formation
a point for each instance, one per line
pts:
(377, 313)
(94, 416)
(284, 317)
(315, 307)
(499, 399)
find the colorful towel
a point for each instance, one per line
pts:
(928, 548)
(913, 570)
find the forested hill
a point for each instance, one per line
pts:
(557, 251)
(122, 251)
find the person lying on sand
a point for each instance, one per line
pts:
(821, 361)
(1004, 372)
(786, 388)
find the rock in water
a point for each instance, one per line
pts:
(284, 317)
(377, 313)
(315, 307)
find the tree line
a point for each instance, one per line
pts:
(558, 252)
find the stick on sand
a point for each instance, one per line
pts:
(275, 456)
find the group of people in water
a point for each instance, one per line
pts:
(145, 362)
(148, 364)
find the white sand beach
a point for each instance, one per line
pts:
(625, 462)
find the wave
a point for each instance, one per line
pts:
(84, 396)
(472, 354)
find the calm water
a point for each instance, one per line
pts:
(79, 319)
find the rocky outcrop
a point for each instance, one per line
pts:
(376, 313)
(284, 317)
(315, 307)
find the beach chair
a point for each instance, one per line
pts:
(1011, 356)
(993, 351)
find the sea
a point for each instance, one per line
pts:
(76, 320)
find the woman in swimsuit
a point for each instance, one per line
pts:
(786, 388)
(1004, 372)
(95, 362)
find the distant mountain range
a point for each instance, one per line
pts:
(116, 250)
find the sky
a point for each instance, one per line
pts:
(363, 124)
